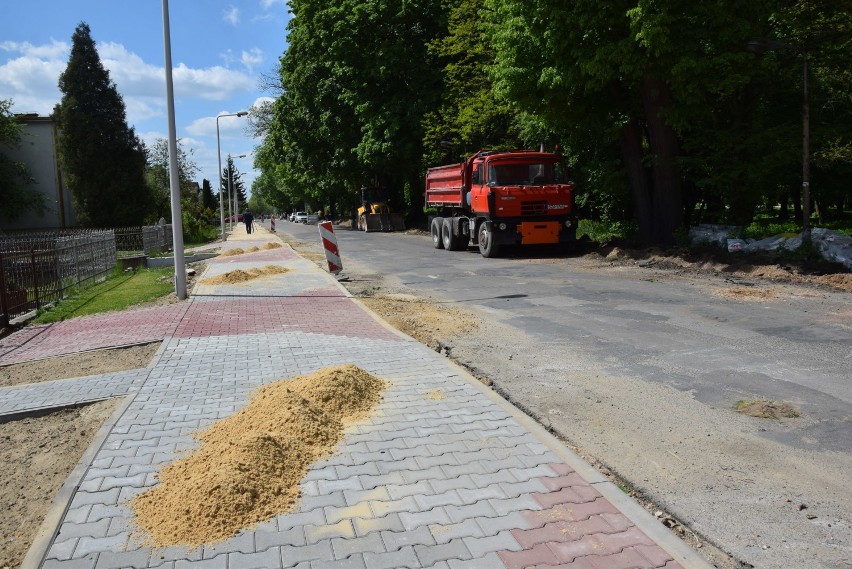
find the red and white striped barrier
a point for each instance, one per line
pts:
(329, 243)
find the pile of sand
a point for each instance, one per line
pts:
(252, 249)
(241, 276)
(249, 465)
(747, 294)
(767, 409)
(232, 252)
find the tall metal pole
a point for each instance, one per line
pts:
(174, 172)
(231, 193)
(219, 175)
(806, 152)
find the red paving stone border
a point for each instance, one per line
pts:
(247, 315)
(91, 333)
(581, 529)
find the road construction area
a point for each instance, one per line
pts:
(417, 464)
(715, 389)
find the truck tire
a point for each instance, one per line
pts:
(448, 236)
(488, 248)
(437, 225)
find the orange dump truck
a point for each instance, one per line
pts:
(493, 199)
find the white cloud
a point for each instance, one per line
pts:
(229, 127)
(53, 50)
(267, 4)
(251, 58)
(31, 83)
(232, 15)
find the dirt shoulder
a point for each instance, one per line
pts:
(36, 456)
(79, 365)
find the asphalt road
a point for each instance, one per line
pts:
(640, 369)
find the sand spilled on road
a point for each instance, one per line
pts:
(240, 276)
(249, 465)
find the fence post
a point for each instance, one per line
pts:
(35, 277)
(4, 300)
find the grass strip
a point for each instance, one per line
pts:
(121, 290)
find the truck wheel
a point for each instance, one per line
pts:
(487, 246)
(437, 225)
(451, 242)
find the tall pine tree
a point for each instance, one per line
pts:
(102, 158)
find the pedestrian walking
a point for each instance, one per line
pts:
(248, 218)
(272, 222)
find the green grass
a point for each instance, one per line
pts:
(120, 291)
(765, 225)
(603, 232)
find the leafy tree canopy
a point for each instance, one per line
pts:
(102, 159)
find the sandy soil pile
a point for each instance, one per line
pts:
(749, 294)
(426, 322)
(252, 249)
(249, 466)
(241, 276)
(767, 409)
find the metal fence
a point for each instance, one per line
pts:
(38, 269)
(134, 241)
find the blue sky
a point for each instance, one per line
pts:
(220, 50)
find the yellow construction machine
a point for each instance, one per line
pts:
(374, 214)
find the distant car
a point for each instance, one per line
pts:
(300, 217)
(311, 218)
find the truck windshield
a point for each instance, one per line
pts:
(526, 174)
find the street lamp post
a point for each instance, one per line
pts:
(232, 191)
(174, 171)
(219, 154)
(762, 47)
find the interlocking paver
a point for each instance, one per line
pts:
(481, 546)
(404, 558)
(453, 549)
(269, 559)
(396, 540)
(344, 548)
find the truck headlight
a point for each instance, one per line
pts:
(502, 227)
(568, 223)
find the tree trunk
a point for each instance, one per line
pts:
(662, 139)
(796, 192)
(631, 154)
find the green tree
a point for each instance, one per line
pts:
(356, 81)
(635, 86)
(469, 116)
(207, 198)
(158, 178)
(232, 184)
(102, 159)
(17, 196)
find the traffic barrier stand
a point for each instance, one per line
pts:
(329, 243)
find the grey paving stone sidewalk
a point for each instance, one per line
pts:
(442, 475)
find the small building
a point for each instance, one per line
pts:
(38, 150)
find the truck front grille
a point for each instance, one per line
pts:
(533, 208)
